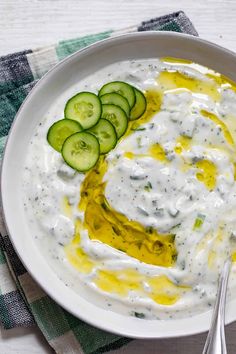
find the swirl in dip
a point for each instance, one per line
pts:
(147, 230)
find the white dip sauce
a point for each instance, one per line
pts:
(173, 174)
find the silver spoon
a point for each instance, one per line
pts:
(215, 342)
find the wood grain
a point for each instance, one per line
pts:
(33, 23)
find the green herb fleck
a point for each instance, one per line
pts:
(137, 178)
(149, 229)
(199, 221)
(104, 206)
(172, 237)
(138, 129)
(174, 257)
(139, 141)
(177, 226)
(148, 186)
(151, 125)
(116, 230)
(139, 315)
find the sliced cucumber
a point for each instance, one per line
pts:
(116, 99)
(117, 117)
(140, 105)
(106, 135)
(81, 151)
(120, 87)
(85, 107)
(59, 132)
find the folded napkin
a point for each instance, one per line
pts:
(22, 301)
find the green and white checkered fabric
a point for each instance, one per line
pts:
(22, 301)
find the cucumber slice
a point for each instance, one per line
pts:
(140, 105)
(117, 117)
(85, 107)
(81, 151)
(120, 87)
(59, 132)
(116, 99)
(106, 135)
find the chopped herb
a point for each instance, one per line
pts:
(139, 315)
(139, 141)
(139, 245)
(176, 227)
(148, 186)
(174, 257)
(158, 247)
(151, 125)
(233, 236)
(196, 159)
(199, 221)
(137, 178)
(138, 129)
(104, 206)
(182, 264)
(171, 237)
(159, 212)
(149, 229)
(116, 230)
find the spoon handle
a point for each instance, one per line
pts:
(215, 342)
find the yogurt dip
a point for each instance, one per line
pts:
(146, 231)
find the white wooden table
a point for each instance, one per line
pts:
(32, 23)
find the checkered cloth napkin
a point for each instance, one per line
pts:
(22, 301)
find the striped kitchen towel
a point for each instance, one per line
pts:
(22, 301)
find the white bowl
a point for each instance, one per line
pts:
(53, 84)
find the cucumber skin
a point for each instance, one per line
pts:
(145, 107)
(127, 120)
(114, 130)
(73, 97)
(126, 109)
(100, 93)
(69, 164)
(54, 124)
